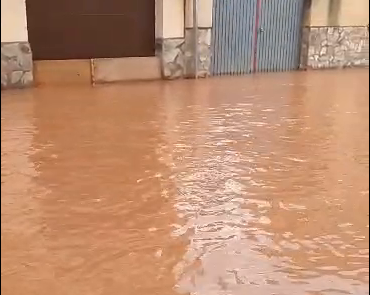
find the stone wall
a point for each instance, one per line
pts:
(176, 55)
(204, 51)
(335, 47)
(172, 57)
(16, 65)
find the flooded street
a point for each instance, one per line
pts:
(228, 186)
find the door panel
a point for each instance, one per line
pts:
(82, 29)
(256, 36)
(232, 39)
(278, 45)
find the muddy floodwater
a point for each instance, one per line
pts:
(252, 185)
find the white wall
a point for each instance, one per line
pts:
(354, 13)
(13, 21)
(351, 13)
(205, 8)
(173, 15)
(319, 13)
(169, 18)
(158, 18)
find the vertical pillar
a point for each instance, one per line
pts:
(175, 38)
(16, 55)
(334, 12)
(203, 37)
(170, 37)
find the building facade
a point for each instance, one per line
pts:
(336, 34)
(112, 40)
(16, 54)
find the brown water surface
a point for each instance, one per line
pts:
(226, 186)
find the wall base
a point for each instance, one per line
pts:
(16, 65)
(336, 47)
(172, 55)
(62, 72)
(107, 70)
(204, 51)
(95, 71)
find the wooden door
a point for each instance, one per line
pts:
(83, 29)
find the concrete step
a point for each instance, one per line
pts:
(62, 72)
(125, 69)
(102, 70)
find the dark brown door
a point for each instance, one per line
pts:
(82, 29)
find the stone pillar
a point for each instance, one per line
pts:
(205, 8)
(336, 37)
(170, 37)
(175, 40)
(16, 55)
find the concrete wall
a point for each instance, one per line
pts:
(170, 19)
(13, 21)
(173, 16)
(354, 13)
(336, 35)
(175, 38)
(16, 56)
(339, 13)
(205, 8)
(319, 13)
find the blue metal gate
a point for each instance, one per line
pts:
(278, 42)
(232, 36)
(255, 35)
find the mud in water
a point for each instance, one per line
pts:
(226, 186)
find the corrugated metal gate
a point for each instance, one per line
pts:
(256, 35)
(232, 36)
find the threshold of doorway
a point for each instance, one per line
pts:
(96, 71)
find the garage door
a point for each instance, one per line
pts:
(256, 36)
(82, 29)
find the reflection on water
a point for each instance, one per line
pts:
(247, 185)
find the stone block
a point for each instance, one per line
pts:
(62, 72)
(176, 55)
(204, 51)
(330, 47)
(126, 69)
(16, 65)
(172, 57)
